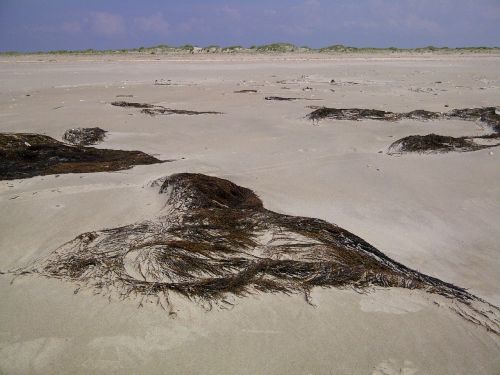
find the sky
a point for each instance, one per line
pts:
(42, 25)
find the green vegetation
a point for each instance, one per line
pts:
(277, 47)
(266, 48)
(232, 49)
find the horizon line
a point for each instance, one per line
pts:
(271, 47)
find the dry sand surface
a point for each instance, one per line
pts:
(437, 213)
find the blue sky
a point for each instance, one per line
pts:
(32, 25)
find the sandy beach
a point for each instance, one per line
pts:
(435, 213)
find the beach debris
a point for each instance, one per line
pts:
(355, 114)
(162, 82)
(421, 114)
(427, 90)
(434, 143)
(84, 136)
(280, 98)
(47, 156)
(153, 110)
(248, 91)
(351, 114)
(158, 110)
(132, 105)
(214, 241)
(169, 82)
(348, 83)
(430, 143)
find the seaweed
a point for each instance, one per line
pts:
(214, 239)
(162, 82)
(430, 143)
(353, 114)
(421, 114)
(24, 155)
(434, 143)
(281, 98)
(248, 91)
(153, 110)
(167, 111)
(84, 136)
(132, 105)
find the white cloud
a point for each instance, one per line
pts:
(230, 12)
(42, 29)
(312, 3)
(107, 24)
(71, 27)
(155, 23)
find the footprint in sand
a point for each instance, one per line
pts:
(393, 367)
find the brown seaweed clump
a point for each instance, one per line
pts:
(154, 110)
(487, 115)
(247, 91)
(84, 136)
(24, 155)
(215, 240)
(353, 114)
(430, 143)
(286, 99)
(434, 143)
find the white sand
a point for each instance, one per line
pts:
(435, 213)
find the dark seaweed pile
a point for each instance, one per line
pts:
(434, 143)
(248, 91)
(487, 115)
(154, 110)
(214, 240)
(285, 99)
(427, 143)
(351, 114)
(84, 136)
(25, 155)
